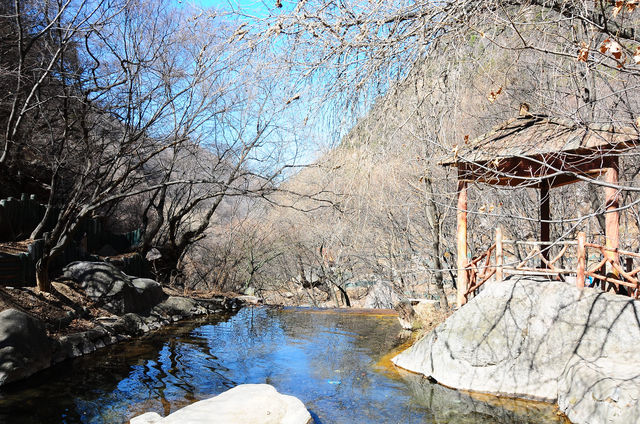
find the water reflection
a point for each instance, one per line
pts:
(328, 360)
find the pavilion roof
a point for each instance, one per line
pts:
(540, 135)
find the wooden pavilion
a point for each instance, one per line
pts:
(542, 152)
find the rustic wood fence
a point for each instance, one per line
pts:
(19, 217)
(591, 264)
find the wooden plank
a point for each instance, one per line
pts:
(537, 243)
(612, 216)
(477, 286)
(487, 253)
(582, 260)
(619, 251)
(537, 271)
(611, 280)
(499, 255)
(545, 218)
(598, 265)
(626, 275)
(461, 236)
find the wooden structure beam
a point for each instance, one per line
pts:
(461, 236)
(545, 219)
(612, 214)
(542, 152)
(562, 169)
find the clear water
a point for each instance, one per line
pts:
(333, 361)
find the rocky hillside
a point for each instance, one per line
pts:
(379, 209)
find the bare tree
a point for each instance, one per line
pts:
(450, 71)
(128, 92)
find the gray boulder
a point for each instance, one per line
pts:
(177, 306)
(24, 346)
(112, 289)
(149, 293)
(540, 340)
(244, 404)
(381, 296)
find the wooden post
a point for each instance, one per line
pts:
(545, 217)
(628, 266)
(499, 258)
(582, 260)
(612, 216)
(462, 242)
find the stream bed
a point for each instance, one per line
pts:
(336, 362)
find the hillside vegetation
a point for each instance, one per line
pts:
(193, 125)
(388, 212)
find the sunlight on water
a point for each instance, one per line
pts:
(333, 361)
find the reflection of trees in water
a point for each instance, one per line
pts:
(325, 359)
(343, 349)
(100, 387)
(452, 406)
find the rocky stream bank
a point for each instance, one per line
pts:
(93, 305)
(541, 340)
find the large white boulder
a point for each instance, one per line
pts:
(542, 340)
(244, 404)
(146, 418)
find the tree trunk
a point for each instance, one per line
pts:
(345, 296)
(42, 274)
(596, 204)
(434, 222)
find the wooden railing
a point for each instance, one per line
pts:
(480, 270)
(623, 281)
(492, 262)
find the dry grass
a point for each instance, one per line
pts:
(425, 324)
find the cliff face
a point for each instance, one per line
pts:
(541, 340)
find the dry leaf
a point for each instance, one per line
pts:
(583, 53)
(636, 55)
(616, 50)
(295, 97)
(632, 5)
(493, 96)
(613, 47)
(618, 7)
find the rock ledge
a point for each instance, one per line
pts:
(541, 340)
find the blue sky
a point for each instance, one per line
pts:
(257, 7)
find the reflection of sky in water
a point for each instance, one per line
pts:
(328, 360)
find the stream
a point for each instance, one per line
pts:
(335, 361)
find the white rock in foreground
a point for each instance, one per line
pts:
(541, 340)
(146, 418)
(244, 404)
